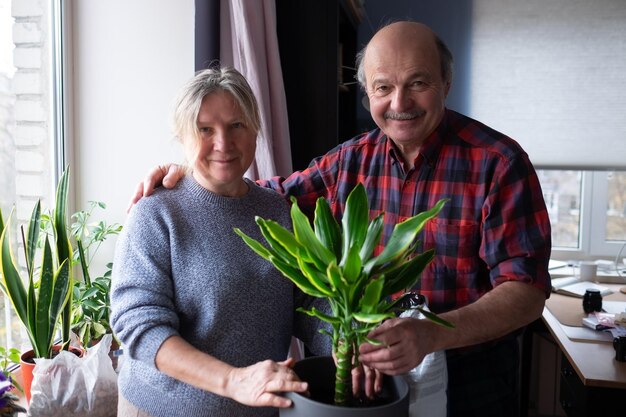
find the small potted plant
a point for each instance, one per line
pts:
(91, 304)
(336, 262)
(9, 402)
(40, 306)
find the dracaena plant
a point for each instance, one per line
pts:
(41, 305)
(336, 262)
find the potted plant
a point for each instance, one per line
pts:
(41, 305)
(337, 263)
(9, 402)
(91, 304)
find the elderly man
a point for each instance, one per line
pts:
(492, 240)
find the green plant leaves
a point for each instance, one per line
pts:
(404, 234)
(64, 249)
(41, 317)
(39, 310)
(336, 263)
(324, 317)
(306, 236)
(355, 220)
(11, 280)
(406, 275)
(33, 237)
(435, 318)
(372, 237)
(371, 297)
(326, 228)
(373, 318)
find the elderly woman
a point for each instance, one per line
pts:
(205, 325)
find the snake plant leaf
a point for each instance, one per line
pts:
(60, 295)
(315, 277)
(83, 262)
(372, 237)
(33, 237)
(408, 275)
(372, 318)
(371, 296)
(306, 236)
(11, 280)
(258, 248)
(326, 228)
(316, 313)
(40, 320)
(296, 277)
(355, 219)
(435, 318)
(404, 233)
(64, 249)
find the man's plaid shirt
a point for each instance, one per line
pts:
(495, 228)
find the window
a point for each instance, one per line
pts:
(562, 192)
(587, 211)
(532, 63)
(31, 120)
(616, 206)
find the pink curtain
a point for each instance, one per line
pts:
(248, 41)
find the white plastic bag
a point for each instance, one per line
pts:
(71, 386)
(428, 382)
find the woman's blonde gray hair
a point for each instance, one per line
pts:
(209, 81)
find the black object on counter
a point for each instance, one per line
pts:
(592, 301)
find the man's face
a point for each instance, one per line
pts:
(405, 88)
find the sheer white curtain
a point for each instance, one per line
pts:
(248, 41)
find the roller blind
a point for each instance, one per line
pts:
(552, 75)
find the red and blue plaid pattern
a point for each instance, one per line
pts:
(495, 228)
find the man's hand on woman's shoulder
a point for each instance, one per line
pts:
(166, 175)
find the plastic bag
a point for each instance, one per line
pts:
(428, 381)
(71, 386)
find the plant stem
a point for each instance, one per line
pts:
(343, 376)
(83, 263)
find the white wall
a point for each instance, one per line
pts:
(130, 58)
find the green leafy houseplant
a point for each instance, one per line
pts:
(9, 402)
(91, 304)
(42, 304)
(337, 263)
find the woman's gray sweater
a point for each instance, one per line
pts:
(179, 269)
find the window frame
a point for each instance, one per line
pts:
(60, 90)
(592, 225)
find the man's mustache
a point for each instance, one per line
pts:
(403, 115)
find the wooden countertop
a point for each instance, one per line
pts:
(594, 361)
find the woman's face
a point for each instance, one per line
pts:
(225, 148)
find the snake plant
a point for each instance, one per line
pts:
(336, 262)
(41, 305)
